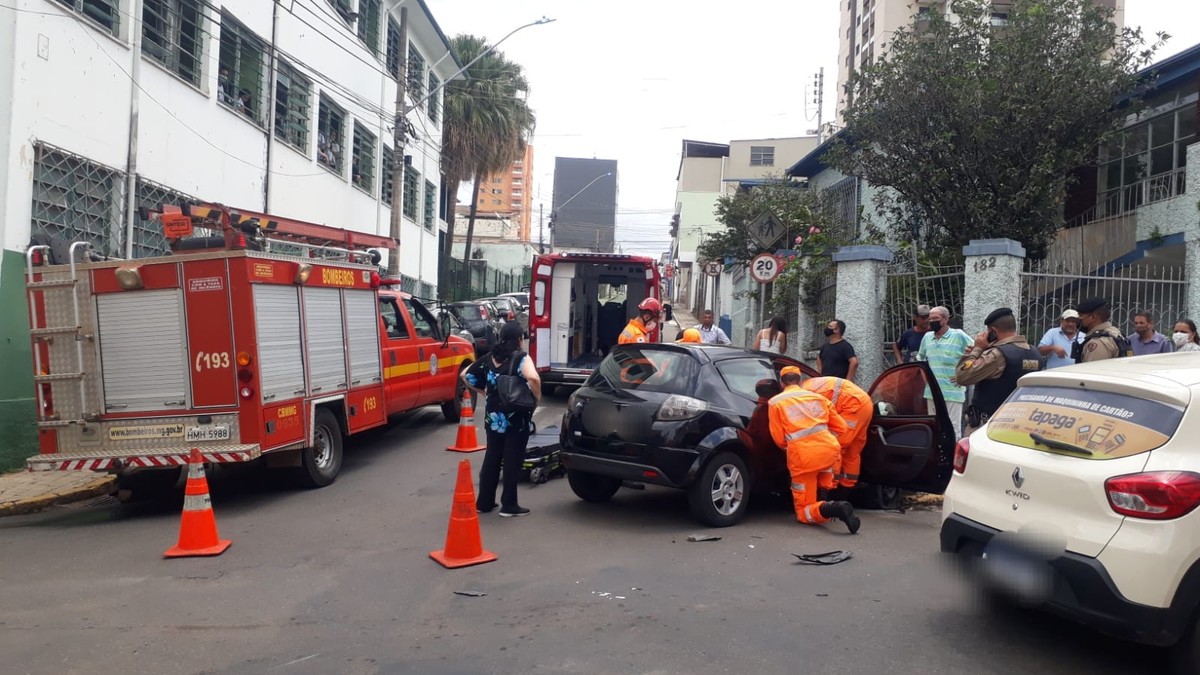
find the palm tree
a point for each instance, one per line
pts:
(486, 124)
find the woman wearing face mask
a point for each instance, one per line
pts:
(1185, 337)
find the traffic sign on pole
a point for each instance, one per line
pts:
(764, 268)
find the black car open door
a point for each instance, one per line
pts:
(907, 447)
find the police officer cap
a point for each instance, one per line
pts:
(996, 315)
(1091, 305)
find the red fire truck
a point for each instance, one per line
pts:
(228, 345)
(579, 304)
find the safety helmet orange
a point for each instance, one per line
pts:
(650, 305)
(691, 335)
(790, 370)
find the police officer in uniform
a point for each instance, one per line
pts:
(999, 357)
(1101, 340)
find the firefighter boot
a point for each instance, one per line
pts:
(844, 512)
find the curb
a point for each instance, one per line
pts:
(100, 486)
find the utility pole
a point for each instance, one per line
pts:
(399, 133)
(818, 99)
(541, 227)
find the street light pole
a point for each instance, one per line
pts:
(554, 212)
(400, 126)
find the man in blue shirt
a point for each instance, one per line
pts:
(1057, 343)
(905, 349)
(1146, 340)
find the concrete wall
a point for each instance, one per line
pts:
(67, 82)
(697, 217)
(788, 151)
(510, 258)
(701, 174)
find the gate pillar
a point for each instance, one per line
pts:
(992, 279)
(861, 287)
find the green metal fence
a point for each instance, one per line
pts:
(464, 282)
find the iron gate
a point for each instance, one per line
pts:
(911, 283)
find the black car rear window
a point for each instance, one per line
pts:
(1105, 423)
(657, 370)
(468, 312)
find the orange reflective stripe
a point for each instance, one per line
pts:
(799, 487)
(837, 391)
(801, 433)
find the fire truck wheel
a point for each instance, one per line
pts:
(322, 462)
(452, 410)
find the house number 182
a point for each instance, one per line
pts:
(984, 264)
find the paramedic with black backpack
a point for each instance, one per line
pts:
(509, 379)
(1101, 340)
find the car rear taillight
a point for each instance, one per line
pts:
(483, 312)
(1154, 495)
(678, 407)
(962, 451)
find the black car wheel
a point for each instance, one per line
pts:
(452, 410)
(591, 487)
(720, 496)
(877, 497)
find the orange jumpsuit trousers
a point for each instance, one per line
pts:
(855, 407)
(806, 424)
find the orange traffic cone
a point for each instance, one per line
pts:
(464, 545)
(467, 441)
(198, 527)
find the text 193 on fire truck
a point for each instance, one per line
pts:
(579, 303)
(229, 345)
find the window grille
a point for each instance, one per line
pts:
(242, 70)
(435, 98)
(174, 34)
(148, 239)
(412, 182)
(344, 9)
(77, 199)
(362, 170)
(388, 168)
(430, 214)
(416, 74)
(331, 130)
(293, 107)
(368, 24)
(393, 48)
(762, 155)
(104, 12)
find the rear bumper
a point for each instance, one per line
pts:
(617, 469)
(1084, 591)
(567, 376)
(669, 466)
(118, 461)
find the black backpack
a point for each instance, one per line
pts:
(512, 391)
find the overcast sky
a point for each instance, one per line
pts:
(629, 81)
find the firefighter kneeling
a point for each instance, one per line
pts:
(854, 406)
(806, 424)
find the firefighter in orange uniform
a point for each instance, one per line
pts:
(638, 329)
(691, 335)
(855, 407)
(807, 425)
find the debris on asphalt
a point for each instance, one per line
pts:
(827, 558)
(757, 536)
(749, 545)
(606, 594)
(703, 537)
(920, 501)
(822, 595)
(471, 594)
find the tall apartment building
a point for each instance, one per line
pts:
(507, 196)
(286, 108)
(868, 25)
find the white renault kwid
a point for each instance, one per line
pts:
(1080, 494)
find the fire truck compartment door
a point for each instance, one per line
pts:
(142, 350)
(362, 326)
(280, 357)
(326, 344)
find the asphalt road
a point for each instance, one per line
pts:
(338, 580)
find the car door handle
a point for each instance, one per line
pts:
(879, 432)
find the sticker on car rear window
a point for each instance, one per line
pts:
(1097, 424)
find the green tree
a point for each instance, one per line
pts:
(486, 123)
(975, 124)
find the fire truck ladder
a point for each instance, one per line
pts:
(45, 334)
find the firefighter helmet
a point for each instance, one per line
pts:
(650, 305)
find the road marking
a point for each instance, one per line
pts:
(302, 658)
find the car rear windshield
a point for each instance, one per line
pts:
(1105, 424)
(468, 312)
(658, 370)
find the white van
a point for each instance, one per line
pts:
(579, 303)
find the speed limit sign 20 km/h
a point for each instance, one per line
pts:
(764, 268)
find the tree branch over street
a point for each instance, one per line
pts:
(975, 123)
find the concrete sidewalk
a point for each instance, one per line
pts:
(683, 318)
(28, 491)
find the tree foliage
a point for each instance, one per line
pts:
(486, 123)
(976, 127)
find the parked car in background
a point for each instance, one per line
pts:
(1080, 497)
(680, 415)
(476, 317)
(522, 298)
(451, 324)
(511, 310)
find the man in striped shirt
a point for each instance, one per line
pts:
(942, 347)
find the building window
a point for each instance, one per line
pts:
(344, 9)
(516, 182)
(368, 24)
(104, 12)
(1147, 162)
(293, 107)
(388, 167)
(362, 168)
(430, 214)
(393, 48)
(497, 191)
(497, 180)
(173, 35)
(331, 129)
(517, 171)
(242, 75)
(416, 74)
(412, 186)
(435, 103)
(75, 198)
(762, 155)
(148, 239)
(999, 19)
(496, 202)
